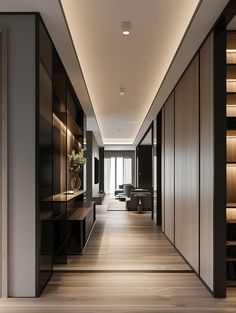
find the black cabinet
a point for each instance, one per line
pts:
(59, 130)
(78, 223)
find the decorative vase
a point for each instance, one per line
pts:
(75, 182)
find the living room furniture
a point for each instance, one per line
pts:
(140, 198)
(120, 190)
(99, 198)
(80, 222)
(127, 189)
(132, 203)
(72, 230)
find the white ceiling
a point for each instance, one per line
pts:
(203, 21)
(110, 61)
(137, 62)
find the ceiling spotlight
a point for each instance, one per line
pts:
(126, 26)
(122, 91)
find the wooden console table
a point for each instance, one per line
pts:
(77, 225)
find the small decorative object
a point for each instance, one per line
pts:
(69, 192)
(75, 162)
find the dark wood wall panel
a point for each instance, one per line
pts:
(169, 168)
(187, 164)
(206, 162)
(145, 166)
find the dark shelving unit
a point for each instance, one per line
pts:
(231, 159)
(64, 220)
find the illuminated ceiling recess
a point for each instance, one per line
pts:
(139, 61)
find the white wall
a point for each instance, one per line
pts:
(21, 111)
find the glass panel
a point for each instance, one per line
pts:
(119, 172)
(127, 171)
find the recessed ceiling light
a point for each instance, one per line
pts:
(126, 27)
(122, 91)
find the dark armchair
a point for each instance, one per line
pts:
(132, 204)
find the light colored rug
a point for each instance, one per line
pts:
(115, 205)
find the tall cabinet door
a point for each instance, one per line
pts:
(187, 164)
(169, 168)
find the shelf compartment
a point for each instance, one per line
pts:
(231, 41)
(231, 243)
(231, 205)
(231, 183)
(231, 123)
(231, 215)
(231, 283)
(231, 271)
(231, 234)
(63, 197)
(231, 48)
(231, 79)
(231, 105)
(231, 110)
(67, 120)
(231, 146)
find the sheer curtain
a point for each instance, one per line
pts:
(117, 171)
(127, 171)
(109, 175)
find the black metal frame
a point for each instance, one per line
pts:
(150, 128)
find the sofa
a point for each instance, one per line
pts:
(125, 191)
(120, 190)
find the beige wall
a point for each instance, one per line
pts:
(21, 151)
(3, 166)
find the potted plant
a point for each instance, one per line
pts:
(75, 162)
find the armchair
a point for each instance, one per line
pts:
(132, 204)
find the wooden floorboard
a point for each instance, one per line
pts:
(98, 292)
(124, 240)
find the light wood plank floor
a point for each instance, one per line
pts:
(123, 293)
(123, 240)
(119, 241)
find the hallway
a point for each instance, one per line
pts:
(128, 266)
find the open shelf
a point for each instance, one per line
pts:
(231, 243)
(63, 197)
(231, 158)
(231, 122)
(68, 121)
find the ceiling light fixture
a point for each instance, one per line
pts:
(126, 27)
(122, 91)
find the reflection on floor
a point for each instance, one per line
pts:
(123, 242)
